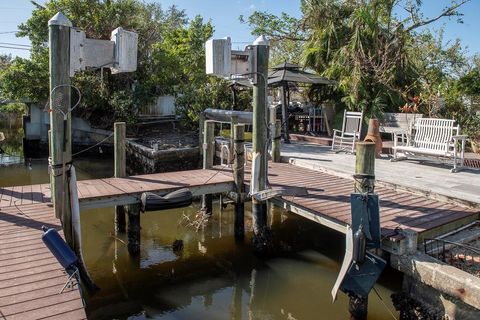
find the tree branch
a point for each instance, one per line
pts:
(445, 13)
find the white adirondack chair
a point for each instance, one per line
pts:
(435, 137)
(345, 139)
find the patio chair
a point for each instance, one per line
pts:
(345, 139)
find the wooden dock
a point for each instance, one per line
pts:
(109, 192)
(328, 203)
(30, 277)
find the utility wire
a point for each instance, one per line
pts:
(16, 44)
(5, 32)
(15, 48)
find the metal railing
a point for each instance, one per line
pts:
(463, 256)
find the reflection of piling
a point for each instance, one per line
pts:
(259, 208)
(238, 175)
(364, 182)
(133, 231)
(208, 152)
(277, 136)
(120, 170)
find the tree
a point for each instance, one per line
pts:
(286, 35)
(361, 44)
(170, 57)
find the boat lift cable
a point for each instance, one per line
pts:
(95, 145)
(383, 302)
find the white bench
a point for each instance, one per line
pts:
(434, 137)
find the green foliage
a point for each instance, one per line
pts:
(26, 78)
(5, 61)
(470, 83)
(285, 33)
(379, 60)
(171, 59)
(16, 107)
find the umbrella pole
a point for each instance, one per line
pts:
(286, 137)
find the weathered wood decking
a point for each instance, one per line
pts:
(30, 277)
(117, 191)
(328, 201)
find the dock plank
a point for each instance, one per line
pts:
(30, 277)
(329, 196)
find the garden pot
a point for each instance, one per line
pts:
(373, 135)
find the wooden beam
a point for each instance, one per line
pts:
(126, 199)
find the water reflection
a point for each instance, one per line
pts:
(214, 277)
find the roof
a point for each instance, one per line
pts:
(289, 72)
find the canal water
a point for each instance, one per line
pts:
(213, 277)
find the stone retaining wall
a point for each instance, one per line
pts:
(143, 160)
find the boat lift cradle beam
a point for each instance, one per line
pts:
(126, 199)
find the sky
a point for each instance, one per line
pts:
(224, 15)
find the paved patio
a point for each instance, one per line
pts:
(427, 176)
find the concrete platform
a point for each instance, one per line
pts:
(428, 177)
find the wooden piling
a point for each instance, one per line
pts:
(276, 143)
(233, 122)
(201, 130)
(364, 182)
(120, 170)
(133, 232)
(365, 165)
(61, 147)
(261, 239)
(238, 176)
(208, 154)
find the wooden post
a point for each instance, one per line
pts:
(364, 182)
(133, 232)
(261, 239)
(365, 165)
(238, 176)
(201, 130)
(50, 159)
(233, 122)
(208, 154)
(276, 144)
(61, 146)
(120, 170)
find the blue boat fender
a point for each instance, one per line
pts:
(59, 248)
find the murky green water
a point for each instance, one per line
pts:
(213, 277)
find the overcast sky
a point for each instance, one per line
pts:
(225, 13)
